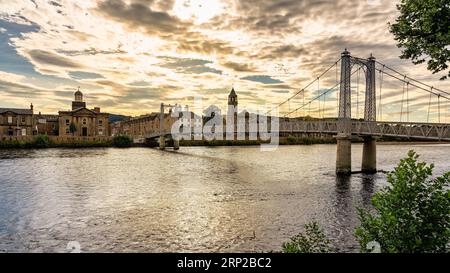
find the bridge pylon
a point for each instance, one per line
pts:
(162, 138)
(369, 156)
(344, 146)
(344, 124)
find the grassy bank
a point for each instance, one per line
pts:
(33, 145)
(43, 141)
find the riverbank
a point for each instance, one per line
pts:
(98, 142)
(44, 141)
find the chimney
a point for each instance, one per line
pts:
(97, 110)
(31, 106)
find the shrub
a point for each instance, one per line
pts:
(412, 214)
(40, 141)
(292, 140)
(122, 141)
(313, 240)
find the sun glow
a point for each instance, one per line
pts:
(200, 11)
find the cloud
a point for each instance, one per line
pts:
(84, 75)
(138, 14)
(49, 58)
(262, 79)
(239, 67)
(141, 52)
(188, 66)
(90, 51)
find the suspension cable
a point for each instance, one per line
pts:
(357, 93)
(412, 84)
(318, 92)
(309, 109)
(403, 97)
(308, 85)
(381, 88)
(414, 80)
(289, 105)
(304, 111)
(439, 109)
(429, 107)
(318, 97)
(407, 101)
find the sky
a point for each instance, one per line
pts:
(128, 56)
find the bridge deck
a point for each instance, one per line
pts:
(425, 131)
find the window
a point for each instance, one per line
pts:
(67, 122)
(67, 131)
(84, 121)
(24, 132)
(100, 132)
(23, 119)
(9, 119)
(100, 122)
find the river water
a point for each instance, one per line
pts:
(199, 199)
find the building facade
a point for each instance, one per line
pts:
(46, 124)
(83, 122)
(17, 122)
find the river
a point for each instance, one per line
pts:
(199, 199)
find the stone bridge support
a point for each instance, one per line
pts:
(176, 144)
(344, 155)
(369, 158)
(162, 142)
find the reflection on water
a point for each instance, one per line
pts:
(197, 199)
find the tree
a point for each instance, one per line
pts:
(412, 214)
(122, 141)
(423, 31)
(41, 141)
(72, 128)
(313, 240)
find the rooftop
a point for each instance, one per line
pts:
(18, 111)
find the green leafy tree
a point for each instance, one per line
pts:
(313, 240)
(412, 215)
(122, 141)
(41, 141)
(423, 31)
(72, 128)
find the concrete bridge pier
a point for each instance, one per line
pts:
(162, 142)
(369, 158)
(176, 144)
(344, 155)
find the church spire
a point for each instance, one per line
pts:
(232, 98)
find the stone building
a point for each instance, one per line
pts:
(81, 121)
(144, 125)
(16, 122)
(138, 127)
(46, 124)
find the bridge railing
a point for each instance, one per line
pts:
(432, 131)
